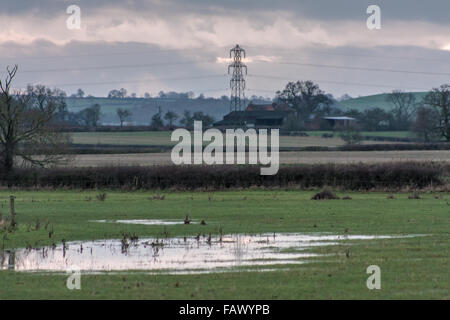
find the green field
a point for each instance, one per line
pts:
(414, 267)
(389, 134)
(154, 138)
(374, 101)
(151, 138)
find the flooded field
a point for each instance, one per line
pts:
(147, 222)
(199, 254)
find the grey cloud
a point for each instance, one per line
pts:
(433, 11)
(264, 78)
(97, 53)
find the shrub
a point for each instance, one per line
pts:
(325, 194)
(101, 196)
(350, 134)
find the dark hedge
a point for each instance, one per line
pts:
(351, 177)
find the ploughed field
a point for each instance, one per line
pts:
(251, 244)
(125, 148)
(162, 158)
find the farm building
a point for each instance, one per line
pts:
(270, 116)
(339, 122)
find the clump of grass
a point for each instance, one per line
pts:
(101, 196)
(414, 196)
(325, 194)
(391, 196)
(187, 220)
(50, 233)
(37, 225)
(347, 198)
(124, 243)
(158, 197)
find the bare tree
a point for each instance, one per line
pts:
(439, 100)
(123, 115)
(26, 129)
(171, 116)
(404, 108)
(91, 115)
(425, 127)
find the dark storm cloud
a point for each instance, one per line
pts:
(433, 11)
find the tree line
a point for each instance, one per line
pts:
(30, 119)
(428, 119)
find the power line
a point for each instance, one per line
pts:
(336, 82)
(146, 51)
(192, 62)
(137, 80)
(363, 68)
(351, 55)
(224, 75)
(159, 64)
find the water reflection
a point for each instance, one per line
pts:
(174, 255)
(152, 222)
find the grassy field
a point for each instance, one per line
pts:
(411, 267)
(374, 101)
(163, 138)
(144, 159)
(384, 134)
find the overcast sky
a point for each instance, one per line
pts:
(182, 45)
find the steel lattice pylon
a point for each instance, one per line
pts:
(237, 82)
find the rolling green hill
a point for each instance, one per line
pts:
(109, 105)
(143, 109)
(375, 101)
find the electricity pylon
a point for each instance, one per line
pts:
(237, 82)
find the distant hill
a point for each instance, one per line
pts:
(374, 101)
(143, 109)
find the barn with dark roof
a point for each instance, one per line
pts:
(259, 116)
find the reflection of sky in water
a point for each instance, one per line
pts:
(174, 254)
(145, 222)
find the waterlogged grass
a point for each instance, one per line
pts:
(411, 267)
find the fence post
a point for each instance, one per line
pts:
(12, 212)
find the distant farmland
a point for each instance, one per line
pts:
(151, 138)
(375, 101)
(143, 109)
(147, 159)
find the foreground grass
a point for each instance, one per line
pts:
(411, 267)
